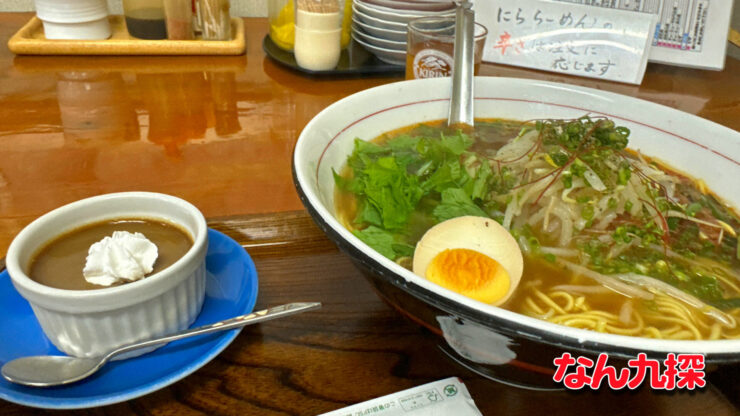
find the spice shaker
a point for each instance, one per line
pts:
(215, 19)
(179, 19)
(318, 34)
(145, 19)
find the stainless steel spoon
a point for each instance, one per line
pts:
(461, 100)
(52, 370)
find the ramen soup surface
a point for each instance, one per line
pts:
(613, 242)
(60, 262)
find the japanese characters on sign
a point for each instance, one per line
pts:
(686, 32)
(680, 371)
(568, 38)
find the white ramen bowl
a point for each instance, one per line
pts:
(379, 42)
(392, 35)
(374, 21)
(398, 15)
(390, 56)
(495, 342)
(89, 323)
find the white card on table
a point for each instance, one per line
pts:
(567, 38)
(687, 33)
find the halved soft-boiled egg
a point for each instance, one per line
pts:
(473, 256)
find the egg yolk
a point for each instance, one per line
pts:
(469, 273)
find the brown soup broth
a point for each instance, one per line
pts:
(541, 275)
(59, 263)
(489, 134)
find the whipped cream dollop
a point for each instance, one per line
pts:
(120, 258)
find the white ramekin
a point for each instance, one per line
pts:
(87, 323)
(74, 19)
(92, 30)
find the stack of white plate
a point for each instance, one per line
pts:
(381, 25)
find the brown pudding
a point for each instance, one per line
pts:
(60, 262)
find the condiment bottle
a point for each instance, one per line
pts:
(281, 16)
(179, 19)
(81, 19)
(197, 27)
(145, 19)
(346, 11)
(318, 34)
(215, 19)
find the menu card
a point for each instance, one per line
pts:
(568, 38)
(687, 33)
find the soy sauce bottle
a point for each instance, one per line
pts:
(145, 19)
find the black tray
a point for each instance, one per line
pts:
(354, 60)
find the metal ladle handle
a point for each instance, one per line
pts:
(461, 101)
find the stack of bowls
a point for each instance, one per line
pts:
(381, 25)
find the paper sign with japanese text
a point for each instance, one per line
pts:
(687, 32)
(568, 38)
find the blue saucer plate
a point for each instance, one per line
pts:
(231, 290)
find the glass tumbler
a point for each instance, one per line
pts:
(431, 44)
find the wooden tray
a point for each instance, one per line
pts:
(30, 40)
(164, 64)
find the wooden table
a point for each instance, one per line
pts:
(219, 132)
